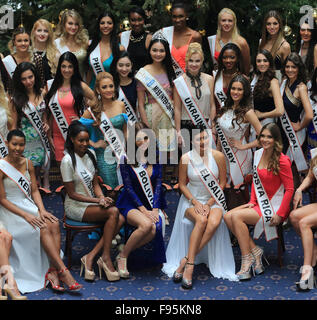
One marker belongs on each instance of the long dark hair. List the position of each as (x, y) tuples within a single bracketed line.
[(114, 41), (73, 130), (75, 82), (298, 62), (20, 96), (313, 89), (167, 62), (236, 49), (261, 89), (244, 104)]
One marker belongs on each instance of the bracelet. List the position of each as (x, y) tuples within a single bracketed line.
[(298, 191), (191, 200)]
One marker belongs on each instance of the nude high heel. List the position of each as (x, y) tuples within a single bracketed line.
[(110, 275), (124, 273), (89, 274), (9, 291)]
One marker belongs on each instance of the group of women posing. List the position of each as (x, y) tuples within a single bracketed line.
[(80, 101)]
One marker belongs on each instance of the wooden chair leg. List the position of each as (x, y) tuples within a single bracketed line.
[(280, 244), (68, 248)]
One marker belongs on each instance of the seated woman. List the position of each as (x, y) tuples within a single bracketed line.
[(85, 200), (6, 275), (35, 232), (207, 240), (273, 175), (140, 209), (303, 220)]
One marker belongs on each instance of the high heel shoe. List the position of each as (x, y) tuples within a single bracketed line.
[(1, 296), (123, 272), (247, 266), (186, 283), (309, 283), (89, 275), (50, 282), (177, 276), (9, 291), (110, 275), (258, 254), (75, 287)]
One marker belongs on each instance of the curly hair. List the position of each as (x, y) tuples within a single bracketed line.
[(274, 162)]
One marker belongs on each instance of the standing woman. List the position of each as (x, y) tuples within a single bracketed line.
[(272, 40), (44, 49), (85, 200), (28, 108), (35, 232), (136, 41), (112, 112), (306, 46), (199, 235), (122, 70), (232, 124), (228, 32), (196, 87), (158, 113), (229, 65), (267, 99), (71, 36), (140, 204), (312, 127), (66, 100), (273, 173), (103, 47), (298, 113)]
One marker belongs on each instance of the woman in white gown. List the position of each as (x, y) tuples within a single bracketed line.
[(22, 213), (199, 233)]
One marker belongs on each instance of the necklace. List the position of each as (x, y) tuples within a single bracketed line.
[(135, 39), (41, 53), (61, 89), (196, 83)]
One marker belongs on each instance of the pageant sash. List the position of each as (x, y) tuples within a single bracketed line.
[(219, 93), (313, 154), (208, 179), (95, 60), (61, 49), (85, 176), (49, 84), (168, 34), (16, 176), (128, 108), (3, 147), (9, 64), (268, 207), (147, 188), (36, 121), (294, 151), (212, 47), (253, 82), (58, 115), (110, 135), (235, 167), (157, 92), (314, 107), (125, 39)]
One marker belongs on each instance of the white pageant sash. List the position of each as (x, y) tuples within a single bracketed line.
[(212, 47), (314, 107), (3, 147), (16, 176), (147, 188), (268, 207), (294, 151), (157, 92), (125, 39), (128, 108), (85, 176), (58, 115), (95, 60), (9, 64), (61, 49), (110, 135), (168, 34), (235, 167), (254, 82), (208, 179), (219, 93), (36, 121)]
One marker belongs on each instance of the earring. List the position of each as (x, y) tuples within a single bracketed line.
[(14, 49), (99, 97)]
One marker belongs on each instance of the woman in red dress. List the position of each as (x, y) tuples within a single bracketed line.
[(274, 172)]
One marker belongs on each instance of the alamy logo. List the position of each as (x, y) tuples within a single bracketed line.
[(308, 17), (6, 21)]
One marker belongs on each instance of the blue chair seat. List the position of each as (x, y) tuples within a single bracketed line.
[(80, 224)]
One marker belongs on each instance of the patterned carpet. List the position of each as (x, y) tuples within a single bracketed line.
[(151, 284)]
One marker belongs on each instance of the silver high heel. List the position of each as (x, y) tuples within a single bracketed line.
[(306, 284), (247, 266), (258, 254), (177, 276), (187, 284)]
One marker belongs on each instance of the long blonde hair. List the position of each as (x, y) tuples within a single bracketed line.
[(235, 32), (52, 53), (279, 39), (4, 103), (81, 37)]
